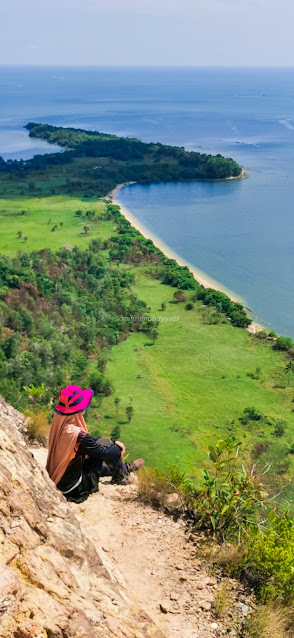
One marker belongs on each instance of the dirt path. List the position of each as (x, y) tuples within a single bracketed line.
[(155, 557)]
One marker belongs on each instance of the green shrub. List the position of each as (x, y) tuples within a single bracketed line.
[(250, 414), (280, 428), (254, 375), (268, 565), (231, 498), (284, 343), (99, 384)]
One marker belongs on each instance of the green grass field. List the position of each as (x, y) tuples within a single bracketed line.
[(191, 387), (41, 214)]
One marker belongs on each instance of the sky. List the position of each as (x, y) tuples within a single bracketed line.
[(147, 32)]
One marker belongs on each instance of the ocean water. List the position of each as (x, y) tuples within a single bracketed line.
[(240, 232)]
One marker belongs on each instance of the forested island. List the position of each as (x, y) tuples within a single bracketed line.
[(93, 163)]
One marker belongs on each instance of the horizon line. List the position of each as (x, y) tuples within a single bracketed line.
[(142, 66)]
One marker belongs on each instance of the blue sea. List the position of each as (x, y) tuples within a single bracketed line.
[(241, 233)]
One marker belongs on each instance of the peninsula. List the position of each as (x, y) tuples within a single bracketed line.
[(93, 163)]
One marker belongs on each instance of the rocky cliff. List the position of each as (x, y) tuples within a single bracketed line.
[(54, 583)]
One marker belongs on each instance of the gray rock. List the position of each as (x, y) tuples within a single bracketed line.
[(244, 608)]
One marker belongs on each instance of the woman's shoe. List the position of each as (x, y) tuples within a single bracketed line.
[(123, 479), (134, 466)]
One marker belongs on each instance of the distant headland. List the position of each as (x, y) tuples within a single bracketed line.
[(94, 163)]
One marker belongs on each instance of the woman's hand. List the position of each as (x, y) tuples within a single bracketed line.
[(123, 449)]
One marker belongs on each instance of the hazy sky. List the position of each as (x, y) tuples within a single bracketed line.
[(147, 32)]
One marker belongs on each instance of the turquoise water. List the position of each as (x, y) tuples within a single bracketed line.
[(239, 233)]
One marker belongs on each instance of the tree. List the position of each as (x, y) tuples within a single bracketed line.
[(25, 239), (116, 402), (100, 384), (19, 234), (179, 296), (34, 393), (284, 343), (101, 364), (163, 306), (289, 367), (61, 224), (11, 345), (153, 335), (86, 229), (280, 428), (129, 412)]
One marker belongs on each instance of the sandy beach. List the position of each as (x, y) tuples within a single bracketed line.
[(201, 277)]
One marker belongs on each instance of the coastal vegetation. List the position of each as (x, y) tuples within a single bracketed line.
[(92, 164)]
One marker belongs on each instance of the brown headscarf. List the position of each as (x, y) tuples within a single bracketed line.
[(63, 435)]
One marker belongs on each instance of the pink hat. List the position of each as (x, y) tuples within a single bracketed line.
[(73, 399)]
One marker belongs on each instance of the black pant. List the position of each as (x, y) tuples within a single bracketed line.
[(92, 470)]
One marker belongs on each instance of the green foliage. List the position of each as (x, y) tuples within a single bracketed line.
[(58, 309), (268, 564), (100, 384), (34, 393), (280, 427), (254, 375), (101, 364), (234, 311), (116, 403), (289, 367), (231, 496), (129, 412), (284, 343), (250, 414)]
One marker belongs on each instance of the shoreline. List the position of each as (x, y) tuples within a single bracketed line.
[(201, 277)]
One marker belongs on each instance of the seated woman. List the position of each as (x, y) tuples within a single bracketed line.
[(76, 460)]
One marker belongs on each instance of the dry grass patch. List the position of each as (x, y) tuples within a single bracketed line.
[(161, 489), (270, 621), (37, 426), (228, 556)]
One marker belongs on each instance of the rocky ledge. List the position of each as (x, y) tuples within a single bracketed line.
[(54, 583)]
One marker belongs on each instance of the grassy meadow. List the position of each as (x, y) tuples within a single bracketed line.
[(191, 386), (40, 215)]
